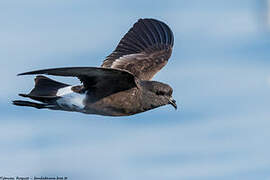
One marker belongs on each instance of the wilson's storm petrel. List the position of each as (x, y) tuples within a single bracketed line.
[(121, 86)]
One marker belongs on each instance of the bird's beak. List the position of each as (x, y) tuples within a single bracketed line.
[(173, 103)]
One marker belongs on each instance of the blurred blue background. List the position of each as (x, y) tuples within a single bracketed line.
[(219, 70)]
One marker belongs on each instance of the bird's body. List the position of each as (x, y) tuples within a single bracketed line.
[(118, 104), (121, 86)]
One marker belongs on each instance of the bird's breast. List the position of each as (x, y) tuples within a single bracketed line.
[(118, 104)]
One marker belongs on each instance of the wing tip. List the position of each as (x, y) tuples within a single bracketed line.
[(25, 73), (20, 74), (158, 29)]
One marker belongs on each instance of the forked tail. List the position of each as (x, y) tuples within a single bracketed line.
[(45, 91)]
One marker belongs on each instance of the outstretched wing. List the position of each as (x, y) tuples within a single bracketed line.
[(104, 81), (144, 50)]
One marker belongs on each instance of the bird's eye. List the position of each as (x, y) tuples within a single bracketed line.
[(160, 93)]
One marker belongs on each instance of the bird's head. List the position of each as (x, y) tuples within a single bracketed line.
[(158, 93)]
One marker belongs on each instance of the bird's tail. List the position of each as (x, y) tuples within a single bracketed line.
[(46, 87), (45, 91)]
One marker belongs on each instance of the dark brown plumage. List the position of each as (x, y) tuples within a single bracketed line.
[(144, 50), (121, 86)]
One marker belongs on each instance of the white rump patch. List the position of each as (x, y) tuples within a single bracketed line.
[(64, 91), (70, 99)]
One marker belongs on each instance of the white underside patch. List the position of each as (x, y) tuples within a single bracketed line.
[(70, 100)]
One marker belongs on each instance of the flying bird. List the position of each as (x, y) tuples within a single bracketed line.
[(122, 86)]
